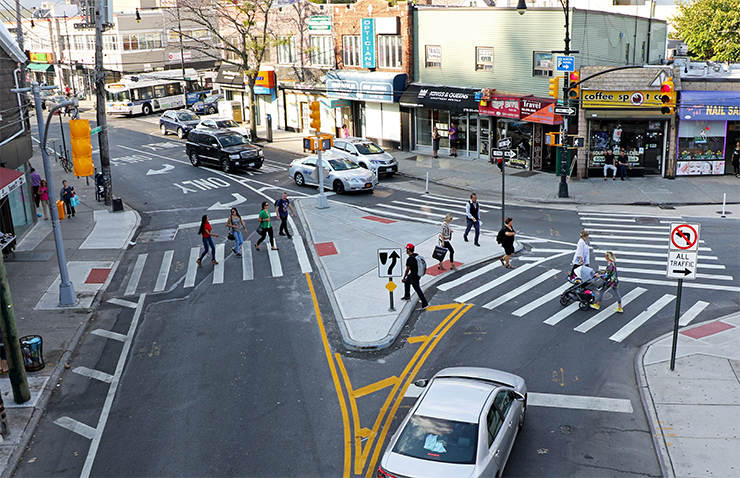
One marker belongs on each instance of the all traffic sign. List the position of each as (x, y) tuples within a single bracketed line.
[(681, 265), (684, 237)]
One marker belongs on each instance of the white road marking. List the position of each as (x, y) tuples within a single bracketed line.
[(657, 263), (625, 230), (468, 276), (639, 238), (579, 402), (133, 281), (96, 374), (541, 300), (635, 323), (689, 284), (192, 268), (123, 303), (164, 271), (691, 314), (247, 269), (424, 206), (663, 272), (494, 283), (277, 269), (646, 246), (218, 269), (522, 289), (77, 427), (405, 209), (624, 214), (456, 205), (300, 249), (554, 319), (109, 335), (590, 225), (605, 313)]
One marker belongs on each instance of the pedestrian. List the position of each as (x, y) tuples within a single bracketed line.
[(44, 198), (207, 235), (624, 163), (507, 242), (609, 164), (580, 258), (35, 182), (66, 195), (610, 282), (452, 133), (282, 205), (345, 131), (472, 212), (411, 277), (233, 223), (445, 236), (435, 141), (736, 159), (265, 227)]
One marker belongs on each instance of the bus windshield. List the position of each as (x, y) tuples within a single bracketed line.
[(121, 95)]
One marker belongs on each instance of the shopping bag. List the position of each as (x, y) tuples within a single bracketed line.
[(439, 253), (74, 201)]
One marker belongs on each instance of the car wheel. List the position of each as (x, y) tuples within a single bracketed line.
[(194, 160), (211, 110), (299, 179), (180, 133), (338, 187), (146, 109), (225, 165), (564, 300), (363, 165), (163, 129)]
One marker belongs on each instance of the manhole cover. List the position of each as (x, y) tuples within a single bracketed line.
[(647, 220), (163, 235)]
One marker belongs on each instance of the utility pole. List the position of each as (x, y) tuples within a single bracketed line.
[(100, 105), (16, 370), (182, 51), (19, 39)]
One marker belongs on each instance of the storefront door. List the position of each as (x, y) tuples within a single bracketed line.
[(484, 137), (653, 156)]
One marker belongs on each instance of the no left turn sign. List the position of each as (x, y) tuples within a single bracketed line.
[(684, 237)]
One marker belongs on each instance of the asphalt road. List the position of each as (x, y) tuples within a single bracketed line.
[(240, 377)]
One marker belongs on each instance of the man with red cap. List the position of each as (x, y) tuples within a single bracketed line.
[(411, 277)]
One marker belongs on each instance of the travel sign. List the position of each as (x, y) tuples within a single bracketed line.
[(621, 99)]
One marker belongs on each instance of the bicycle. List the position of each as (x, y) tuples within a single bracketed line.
[(66, 163)]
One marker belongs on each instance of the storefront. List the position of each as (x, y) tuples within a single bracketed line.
[(16, 204), (629, 121), (230, 82), (367, 102), (41, 68), (708, 129)]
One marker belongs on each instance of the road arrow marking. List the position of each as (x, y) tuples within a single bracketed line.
[(238, 199), (167, 168)]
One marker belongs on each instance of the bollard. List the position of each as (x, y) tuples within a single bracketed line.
[(426, 184), (724, 198)]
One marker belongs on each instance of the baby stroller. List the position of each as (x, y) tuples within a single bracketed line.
[(584, 279)]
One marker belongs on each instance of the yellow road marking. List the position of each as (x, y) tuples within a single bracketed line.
[(355, 414), (374, 387), (419, 338)]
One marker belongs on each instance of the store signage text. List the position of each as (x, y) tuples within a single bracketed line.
[(621, 99), (41, 57), (368, 42)]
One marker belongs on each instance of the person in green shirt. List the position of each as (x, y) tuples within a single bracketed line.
[(265, 227)]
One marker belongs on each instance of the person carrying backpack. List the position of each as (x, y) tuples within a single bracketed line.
[(506, 239), (416, 267)]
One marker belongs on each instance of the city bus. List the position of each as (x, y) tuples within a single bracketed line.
[(132, 96)]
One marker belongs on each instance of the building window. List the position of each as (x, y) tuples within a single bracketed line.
[(90, 40), (79, 41), (110, 42), (389, 51), (642, 53), (286, 50), (322, 51), (627, 54), (351, 50), (142, 41), (188, 35), (484, 58), (433, 56), (64, 43), (542, 63)]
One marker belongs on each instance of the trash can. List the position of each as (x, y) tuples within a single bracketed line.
[(117, 204), (32, 349)]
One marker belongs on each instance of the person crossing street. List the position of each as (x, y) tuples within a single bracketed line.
[(472, 211), (282, 205), (412, 277)]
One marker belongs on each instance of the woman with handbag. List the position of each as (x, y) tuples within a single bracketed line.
[(44, 198), (265, 227), (445, 236), (233, 223), (205, 232), (66, 195)]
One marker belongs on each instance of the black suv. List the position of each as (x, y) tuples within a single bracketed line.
[(227, 149)]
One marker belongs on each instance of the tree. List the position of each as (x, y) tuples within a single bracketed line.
[(711, 28)]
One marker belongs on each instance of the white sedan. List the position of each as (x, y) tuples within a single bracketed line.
[(340, 174), (367, 154), (225, 123)]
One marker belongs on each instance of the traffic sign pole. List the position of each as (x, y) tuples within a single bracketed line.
[(391, 288), (675, 325)]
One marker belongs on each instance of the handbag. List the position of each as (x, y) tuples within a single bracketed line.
[(74, 201), (231, 236), (439, 253)]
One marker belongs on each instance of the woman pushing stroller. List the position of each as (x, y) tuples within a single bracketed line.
[(610, 282)]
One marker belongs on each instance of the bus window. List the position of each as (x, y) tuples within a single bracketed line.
[(142, 93), (173, 89), (159, 91)]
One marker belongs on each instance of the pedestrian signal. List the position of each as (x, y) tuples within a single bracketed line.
[(79, 131), (668, 97), (315, 115), (555, 87), (575, 88)]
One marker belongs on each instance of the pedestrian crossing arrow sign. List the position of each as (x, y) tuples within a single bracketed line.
[(390, 263)]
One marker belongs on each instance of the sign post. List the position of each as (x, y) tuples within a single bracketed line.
[(390, 265), (683, 251)]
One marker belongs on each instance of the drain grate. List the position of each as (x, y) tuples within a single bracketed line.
[(163, 235), (524, 174), (666, 206), (29, 257)]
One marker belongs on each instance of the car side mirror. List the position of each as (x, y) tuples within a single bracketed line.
[(421, 383), (354, 153), (520, 397)]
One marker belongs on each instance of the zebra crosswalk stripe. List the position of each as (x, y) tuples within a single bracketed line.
[(691, 314), (522, 289), (494, 283), (192, 268), (275, 265), (553, 320), (606, 313), (218, 269), (133, 281), (635, 323), (469, 276), (541, 300), (247, 268), (164, 271)]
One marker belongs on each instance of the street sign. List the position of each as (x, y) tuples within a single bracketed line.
[(503, 153), (681, 265), (96, 130), (684, 237), (566, 63), (565, 111), (579, 142), (504, 143), (390, 263)]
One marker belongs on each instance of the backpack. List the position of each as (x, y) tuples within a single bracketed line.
[(501, 235), (421, 266)]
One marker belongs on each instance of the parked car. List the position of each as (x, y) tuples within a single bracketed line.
[(340, 173), (463, 424), (227, 149), (49, 98), (180, 122), (225, 124), (208, 106), (367, 154)]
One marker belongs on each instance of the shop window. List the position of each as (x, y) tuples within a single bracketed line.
[(351, 50), (484, 58), (286, 51), (389, 51), (701, 148), (542, 63), (634, 137), (433, 56), (520, 133)]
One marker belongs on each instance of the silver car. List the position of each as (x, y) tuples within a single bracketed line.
[(463, 424), (341, 174), (367, 154), (224, 123)]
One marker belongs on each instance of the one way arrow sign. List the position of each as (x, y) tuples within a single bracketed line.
[(565, 111)]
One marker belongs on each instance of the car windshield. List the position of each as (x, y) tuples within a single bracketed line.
[(342, 164), (187, 116), (227, 124), (212, 99), (231, 140), (368, 148), (438, 440)]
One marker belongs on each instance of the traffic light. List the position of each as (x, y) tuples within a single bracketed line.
[(668, 97), (315, 115), (555, 87), (79, 130), (575, 89)]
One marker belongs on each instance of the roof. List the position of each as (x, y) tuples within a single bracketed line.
[(458, 399), (10, 45)]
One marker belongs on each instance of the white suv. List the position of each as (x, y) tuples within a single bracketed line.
[(367, 154)]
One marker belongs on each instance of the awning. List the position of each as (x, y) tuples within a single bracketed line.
[(539, 110), (709, 106), (230, 75), (364, 85), (450, 98), (40, 66), (9, 181)]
